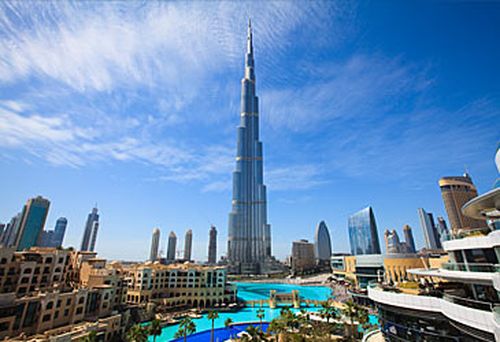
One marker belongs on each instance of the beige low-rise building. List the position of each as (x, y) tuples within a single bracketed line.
[(174, 285)]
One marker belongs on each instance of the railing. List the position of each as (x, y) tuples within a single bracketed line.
[(470, 303), (466, 233), (470, 267)]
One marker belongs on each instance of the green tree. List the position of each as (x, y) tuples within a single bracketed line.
[(212, 315), (228, 323), (350, 311), (255, 334), (186, 327), (277, 327), (155, 329), (137, 334), (260, 316)]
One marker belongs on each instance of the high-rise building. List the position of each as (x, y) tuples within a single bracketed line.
[(442, 227), (10, 235), (172, 241), (53, 238), (188, 244), (363, 235), (303, 258), (393, 242), (431, 235), (32, 222), (59, 231), (155, 245), (89, 226), (457, 191), (93, 235), (249, 238), (409, 238), (212, 245), (322, 243)]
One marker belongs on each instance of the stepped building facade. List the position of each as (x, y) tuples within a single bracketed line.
[(249, 239)]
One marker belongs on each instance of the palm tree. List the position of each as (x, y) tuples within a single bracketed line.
[(277, 327), (155, 328), (137, 334), (255, 334), (228, 323), (212, 315), (186, 327), (328, 312), (260, 316), (350, 310), (91, 337)]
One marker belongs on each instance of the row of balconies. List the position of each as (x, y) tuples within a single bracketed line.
[(471, 267), (480, 315)]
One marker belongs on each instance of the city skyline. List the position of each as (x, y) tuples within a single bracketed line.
[(149, 154)]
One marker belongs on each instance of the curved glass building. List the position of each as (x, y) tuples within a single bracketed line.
[(322, 243), (363, 235)]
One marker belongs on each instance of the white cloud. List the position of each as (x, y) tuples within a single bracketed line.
[(295, 177), (359, 87)]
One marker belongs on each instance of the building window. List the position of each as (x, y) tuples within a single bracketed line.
[(46, 318), (79, 311)]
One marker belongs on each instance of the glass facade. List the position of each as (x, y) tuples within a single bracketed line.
[(89, 226), (33, 221), (249, 238), (322, 243), (363, 235), (431, 234)]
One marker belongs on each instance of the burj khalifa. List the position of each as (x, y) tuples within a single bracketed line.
[(249, 238)]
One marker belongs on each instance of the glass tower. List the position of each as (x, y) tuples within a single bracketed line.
[(322, 243), (363, 235), (431, 235), (89, 228), (212, 245), (32, 222), (249, 238)]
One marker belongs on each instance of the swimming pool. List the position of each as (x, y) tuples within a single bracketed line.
[(248, 291)]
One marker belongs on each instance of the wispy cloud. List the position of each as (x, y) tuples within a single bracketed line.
[(361, 86)]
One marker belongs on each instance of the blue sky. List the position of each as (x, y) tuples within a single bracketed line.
[(134, 106)]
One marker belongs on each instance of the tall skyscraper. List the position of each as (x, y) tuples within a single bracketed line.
[(93, 235), (457, 191), (303, 257), (172, 241), (10, 234), (249, 238), (188, 244), (409, 238), (322, 243), (363, 235), (431, 235), (59, 231), (212, 246), (53, 238), (442, 227), (89, 226), (32, 222), (155, 245)]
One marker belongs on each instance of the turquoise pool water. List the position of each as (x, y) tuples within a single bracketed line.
[(252, 291)]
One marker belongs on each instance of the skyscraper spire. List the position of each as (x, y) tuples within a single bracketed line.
[(249, 240)]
